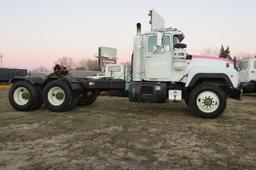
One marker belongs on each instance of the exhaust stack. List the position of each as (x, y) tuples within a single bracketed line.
[(138, 29), (137, 56)]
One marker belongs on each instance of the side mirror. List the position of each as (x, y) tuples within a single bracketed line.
[(180, 45), (159, 39)]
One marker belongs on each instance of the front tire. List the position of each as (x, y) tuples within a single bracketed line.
[(58, 96), (207, 101), (23, 96)]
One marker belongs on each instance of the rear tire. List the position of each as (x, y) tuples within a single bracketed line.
[(58, 96), (207, 101), (23, 96), (186, 100), (40, 100), (88, 98), (39, 103)]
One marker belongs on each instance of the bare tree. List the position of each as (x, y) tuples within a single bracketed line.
[(67, 62), (243, 55), (238, 63), (82, 65), (93, 65), (40, 69), (89, 64), (214, 52)]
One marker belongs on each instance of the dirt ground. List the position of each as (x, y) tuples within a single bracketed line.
[(115, 134)]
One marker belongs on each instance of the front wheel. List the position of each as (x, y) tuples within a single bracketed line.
[(207, 101)]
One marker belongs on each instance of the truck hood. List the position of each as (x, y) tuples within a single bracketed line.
[(198, 57)]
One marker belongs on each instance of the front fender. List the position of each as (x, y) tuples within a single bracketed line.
[(73, 83), (214, 69), (33, 80), (210, 77)]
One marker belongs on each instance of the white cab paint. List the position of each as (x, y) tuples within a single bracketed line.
[(248, 72)]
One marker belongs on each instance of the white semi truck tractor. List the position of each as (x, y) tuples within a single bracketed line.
[(247, 75), (161, 71)]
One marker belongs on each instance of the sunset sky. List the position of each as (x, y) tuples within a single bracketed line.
[(35, 33)]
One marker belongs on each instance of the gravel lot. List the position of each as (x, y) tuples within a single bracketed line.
[(115, 134)]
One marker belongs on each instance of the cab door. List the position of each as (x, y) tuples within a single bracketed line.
[(252, 71), (158, 60)]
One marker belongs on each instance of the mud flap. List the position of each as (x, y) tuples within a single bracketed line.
[(236, 93)]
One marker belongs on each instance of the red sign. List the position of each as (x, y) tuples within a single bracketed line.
[(105, 61)]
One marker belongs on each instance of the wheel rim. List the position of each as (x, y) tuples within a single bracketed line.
[(21, 96), (56, 96), (208, 101)]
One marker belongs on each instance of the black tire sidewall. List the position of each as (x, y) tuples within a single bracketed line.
[(68, 101), (88, 100), (207, 87)]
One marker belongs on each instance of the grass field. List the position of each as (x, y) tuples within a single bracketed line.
[(6, 86), (115, 134)]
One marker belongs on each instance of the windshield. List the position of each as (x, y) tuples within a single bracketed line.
[(245, 65), (114, 69), (176, 40), (152, 44)]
